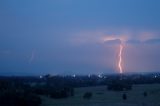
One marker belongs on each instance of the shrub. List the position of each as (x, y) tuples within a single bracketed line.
[(145, 94), (124, 96), (58, 94), (119, 86), (87, 95)]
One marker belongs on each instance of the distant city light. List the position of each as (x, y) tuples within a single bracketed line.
[(74, 75), (100, 76), (40, 76), (155, 76)]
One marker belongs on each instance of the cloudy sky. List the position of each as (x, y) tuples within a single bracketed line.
[(78, 36)]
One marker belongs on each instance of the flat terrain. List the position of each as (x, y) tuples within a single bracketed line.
[(103, 97)]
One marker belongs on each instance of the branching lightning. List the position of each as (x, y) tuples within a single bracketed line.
[(120, 59), (120, 52)]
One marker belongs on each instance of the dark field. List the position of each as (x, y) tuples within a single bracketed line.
[(94, 90), (103, 97)]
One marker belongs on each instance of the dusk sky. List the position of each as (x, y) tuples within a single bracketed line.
[(78, 36)]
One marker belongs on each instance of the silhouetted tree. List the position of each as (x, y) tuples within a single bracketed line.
[(124, 96), (145, 94), (119, 86), (87, 95)]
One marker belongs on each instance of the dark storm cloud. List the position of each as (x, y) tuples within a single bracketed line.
[(112, 42), (153, 41), (77, 36), (133, 42)]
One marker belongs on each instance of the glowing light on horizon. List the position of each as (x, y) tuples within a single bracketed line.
[(120, 58)]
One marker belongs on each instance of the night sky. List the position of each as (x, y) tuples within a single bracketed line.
[(78, 36)]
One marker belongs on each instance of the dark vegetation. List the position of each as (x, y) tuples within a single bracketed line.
[(119, 85), (124, 96), (18, 91), (17, 94), (27, 91), (145, 94), (87, 95)]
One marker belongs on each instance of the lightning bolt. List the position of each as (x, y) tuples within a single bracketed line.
[(32, 56), (120, 59)]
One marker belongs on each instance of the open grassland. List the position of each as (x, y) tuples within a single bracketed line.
[(103, 97)]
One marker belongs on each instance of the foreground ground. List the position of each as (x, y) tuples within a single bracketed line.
[(103, 97)]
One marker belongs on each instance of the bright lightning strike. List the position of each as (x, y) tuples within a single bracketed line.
[(120, 58)]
